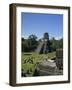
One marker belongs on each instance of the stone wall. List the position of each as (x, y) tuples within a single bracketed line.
[(59, 58)]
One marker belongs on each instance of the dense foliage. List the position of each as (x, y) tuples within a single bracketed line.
[(29, 44)]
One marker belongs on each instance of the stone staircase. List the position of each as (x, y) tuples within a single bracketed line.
[(39, 47)]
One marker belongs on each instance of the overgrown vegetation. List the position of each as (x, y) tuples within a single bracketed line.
[(29, 61)]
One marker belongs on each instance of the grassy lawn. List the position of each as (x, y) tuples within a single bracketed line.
[(29, 61)]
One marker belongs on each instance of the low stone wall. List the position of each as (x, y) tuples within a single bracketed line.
[(59, 58), (59, 53), (46, 68), (51, 67)]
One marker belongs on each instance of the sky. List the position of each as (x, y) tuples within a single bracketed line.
[(38, 24)]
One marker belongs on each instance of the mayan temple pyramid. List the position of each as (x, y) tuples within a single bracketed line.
[(44, 45)]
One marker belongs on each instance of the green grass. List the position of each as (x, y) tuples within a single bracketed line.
[(29, 61)]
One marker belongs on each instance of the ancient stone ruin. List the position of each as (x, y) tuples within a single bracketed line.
[(59, 58), (51, 67), (44, 45), (46, 68)]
